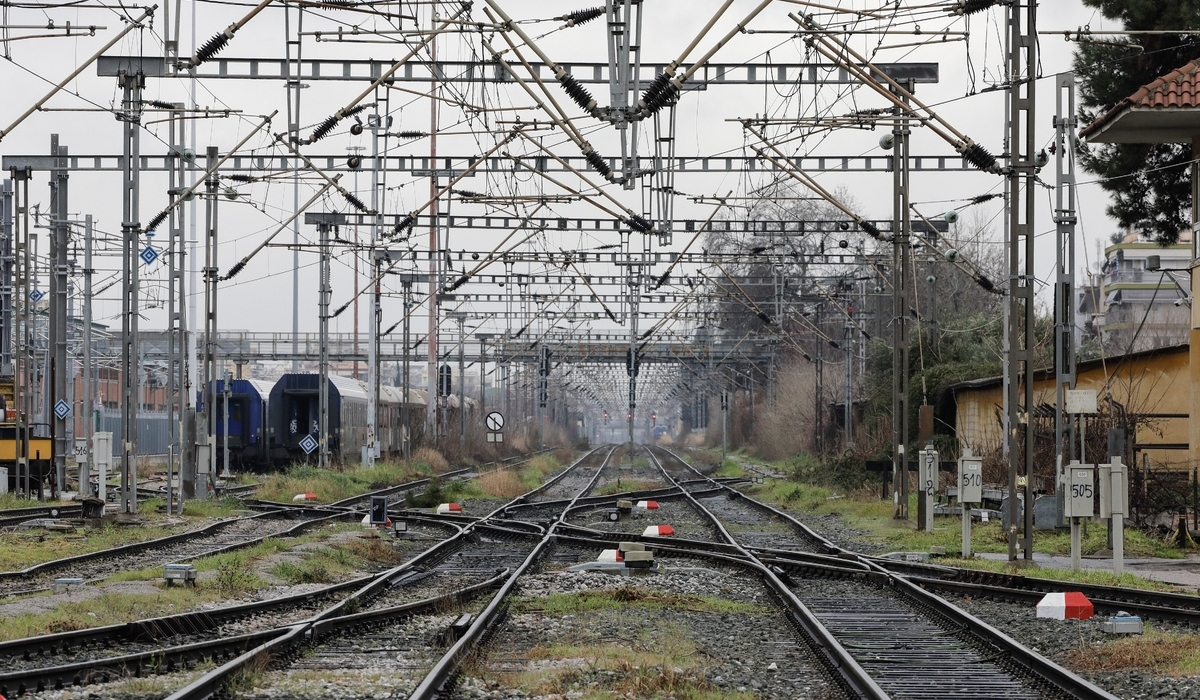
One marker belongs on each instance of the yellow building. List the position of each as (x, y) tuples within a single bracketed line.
[(1149, 391)]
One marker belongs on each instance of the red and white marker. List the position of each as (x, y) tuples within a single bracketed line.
[(610, 555), (449, 509), (659, 531), (1065, 606), (304, 497), (648, 505)]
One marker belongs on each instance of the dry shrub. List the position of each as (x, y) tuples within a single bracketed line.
[(375, 549), (1158, 653), (433, 458), (564, 455), (501, 483), (785, 428)]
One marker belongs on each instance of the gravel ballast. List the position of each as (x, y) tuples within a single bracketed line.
[(648, 648), (1056, 639)]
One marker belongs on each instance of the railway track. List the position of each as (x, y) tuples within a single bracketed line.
[(16, 516), (223, 536), (363, 635), (876, 632), (1153, 605), (179, 642), (888, 637)]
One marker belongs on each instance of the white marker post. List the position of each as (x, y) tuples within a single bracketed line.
[(102, 455), (1114, 498), (970, 490)]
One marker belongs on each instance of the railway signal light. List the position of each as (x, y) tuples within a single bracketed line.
[(379, 510)]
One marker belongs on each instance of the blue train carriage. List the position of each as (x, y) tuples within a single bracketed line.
[(248, 417), (294, 410)]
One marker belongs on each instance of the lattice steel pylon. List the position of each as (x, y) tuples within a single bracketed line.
[(1020, 187)]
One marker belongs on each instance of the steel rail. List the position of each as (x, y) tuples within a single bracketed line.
[(112, 552), (213, 682), (16, 516), (845, 668), (103, 670), (1149, 605), (58, 676), (157, 628), (1032, 662), (288, 638), (445, 670)]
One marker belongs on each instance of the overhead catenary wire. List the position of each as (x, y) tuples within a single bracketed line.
[(840, 53)]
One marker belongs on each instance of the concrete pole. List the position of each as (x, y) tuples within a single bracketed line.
[(901, 279)]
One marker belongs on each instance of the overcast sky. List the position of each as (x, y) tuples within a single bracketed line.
[(260, 298)]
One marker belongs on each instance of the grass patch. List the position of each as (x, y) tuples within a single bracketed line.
[(627, 597), (115, 608), (339, 482), (333, 563), (676, 669), (444, 492), (1160, 653), (536, 470), (501, 483), (729, 468), (20, 550), (245, 556), (217, 508), (864, 510), (1089, 576), (10, 501), (249, 676)]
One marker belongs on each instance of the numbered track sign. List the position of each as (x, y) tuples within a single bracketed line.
[(1079, 499), (970, 479), (928, 471)]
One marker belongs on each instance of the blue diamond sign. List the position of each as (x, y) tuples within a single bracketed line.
[(36, 295), (308, 444), (62, 409), (148, 255)]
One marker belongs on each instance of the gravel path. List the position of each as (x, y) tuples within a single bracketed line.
[(670, 648)]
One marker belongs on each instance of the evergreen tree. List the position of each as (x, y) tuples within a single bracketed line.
[(1149, 183)]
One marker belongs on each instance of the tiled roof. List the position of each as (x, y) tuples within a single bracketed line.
[(1178, 89)]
